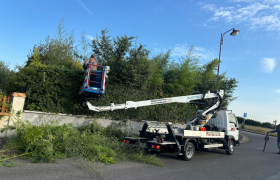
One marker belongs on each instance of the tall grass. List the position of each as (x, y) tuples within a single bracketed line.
[(258, 129)]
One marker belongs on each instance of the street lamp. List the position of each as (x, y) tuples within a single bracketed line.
[(233, 33)]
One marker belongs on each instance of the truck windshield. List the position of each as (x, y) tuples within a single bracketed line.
[(231, 118)]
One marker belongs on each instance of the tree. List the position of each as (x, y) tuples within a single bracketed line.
[(4, 74), (208, 81), (59, 51), (207, 77), (129, 63), (268, 125), (84, 53), (158, 67), (102, 47), (182, 78), (228, 85)]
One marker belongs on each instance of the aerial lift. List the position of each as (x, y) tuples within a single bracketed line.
[(220, 131)]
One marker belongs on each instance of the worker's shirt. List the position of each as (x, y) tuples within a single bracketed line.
[(278, 133), (91, 61)]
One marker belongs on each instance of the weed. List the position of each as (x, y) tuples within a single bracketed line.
[(6, 163)]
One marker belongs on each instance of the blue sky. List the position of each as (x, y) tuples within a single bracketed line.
[(252, 57)]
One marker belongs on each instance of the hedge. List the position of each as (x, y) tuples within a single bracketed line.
[(55, 89)]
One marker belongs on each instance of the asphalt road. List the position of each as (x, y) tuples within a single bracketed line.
[(248, 162)]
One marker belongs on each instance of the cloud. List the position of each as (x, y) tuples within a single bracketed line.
[(237, 14), (255, 14), (271, 23), (277, 7), (90, 37), (268, 65), (84, 6), (200, 3), (159, 9), (205, 54), (272, 1), (209, 7), (147, 22), (277, 91), (202, 53), (241, 0), (180, 50)]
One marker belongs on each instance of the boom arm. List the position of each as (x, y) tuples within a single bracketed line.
[(180, 99)]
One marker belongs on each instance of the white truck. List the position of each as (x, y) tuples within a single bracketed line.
[(220, 131)]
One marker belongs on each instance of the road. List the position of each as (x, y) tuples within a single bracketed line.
[(248, 162)]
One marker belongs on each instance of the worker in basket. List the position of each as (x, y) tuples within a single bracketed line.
[(92, 61), (93, 87)]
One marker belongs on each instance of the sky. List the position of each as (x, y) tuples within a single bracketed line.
[(252, 57)]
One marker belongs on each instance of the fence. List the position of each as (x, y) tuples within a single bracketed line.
[(5, 105)]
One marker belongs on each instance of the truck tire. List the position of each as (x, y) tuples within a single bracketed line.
[(230, 150), (189, 151)]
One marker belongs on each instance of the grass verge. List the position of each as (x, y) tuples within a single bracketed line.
[(259, 129)]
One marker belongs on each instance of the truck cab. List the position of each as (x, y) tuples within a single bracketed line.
[(225, 121)]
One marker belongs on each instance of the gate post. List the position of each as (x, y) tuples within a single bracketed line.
[(17, 106)]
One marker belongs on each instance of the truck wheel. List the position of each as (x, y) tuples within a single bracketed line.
[(189, 151), (230, 150)]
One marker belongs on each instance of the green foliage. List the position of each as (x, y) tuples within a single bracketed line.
[(129, 63), (158, 67), (51, 88), (255, 123), (49, 141), (208, 77), (6, 163), (35, 59), (15, 83), (182, 78), (4, 74), (228, 85), (268, 125), (249, 121), (84, 53), (208, 81), (59, 51)]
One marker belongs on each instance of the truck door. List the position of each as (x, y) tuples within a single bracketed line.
[(233, 126)]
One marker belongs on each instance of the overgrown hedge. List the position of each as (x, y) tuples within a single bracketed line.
[(55, 89), (51, 88)]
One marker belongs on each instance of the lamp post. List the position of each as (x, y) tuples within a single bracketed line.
[(233, 33)]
